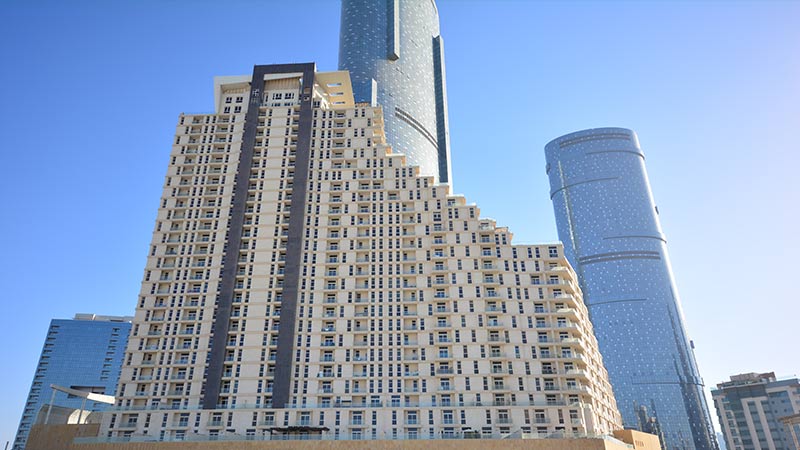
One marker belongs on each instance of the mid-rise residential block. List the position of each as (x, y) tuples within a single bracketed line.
[(759, 412)]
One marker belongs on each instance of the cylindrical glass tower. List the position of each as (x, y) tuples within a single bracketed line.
[(609, 224), (395, 56)]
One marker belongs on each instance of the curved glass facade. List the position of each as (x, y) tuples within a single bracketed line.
[(609, 224), (395, 56)]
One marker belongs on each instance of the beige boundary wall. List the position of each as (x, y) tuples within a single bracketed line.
[(60, 437), (639, 440)]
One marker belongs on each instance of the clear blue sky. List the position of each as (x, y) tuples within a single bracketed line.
[(92, 91)]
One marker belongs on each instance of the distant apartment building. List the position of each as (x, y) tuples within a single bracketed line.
[(303, 278), (84, 353), (759, 412), (792, 424)]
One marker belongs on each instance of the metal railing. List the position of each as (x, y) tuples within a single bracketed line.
[(329, 436)]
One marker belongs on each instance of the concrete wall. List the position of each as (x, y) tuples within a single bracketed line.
[(52, 437)]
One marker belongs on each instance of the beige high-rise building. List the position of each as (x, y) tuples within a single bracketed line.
[(304, 279)]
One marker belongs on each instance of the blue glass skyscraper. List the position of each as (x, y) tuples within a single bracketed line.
[(85, 354), (609, 224), (395, 56)]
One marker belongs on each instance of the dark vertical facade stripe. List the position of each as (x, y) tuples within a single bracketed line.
[(442, 125), (236, 220), (231, 255), (282, 381)]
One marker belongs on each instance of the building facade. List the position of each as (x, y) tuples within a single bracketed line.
[(304, 277), (759, 412), (395, 55), (84, 353), (609, 224)]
